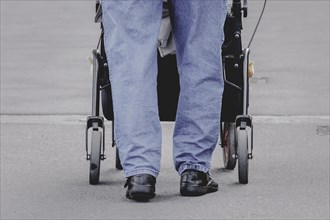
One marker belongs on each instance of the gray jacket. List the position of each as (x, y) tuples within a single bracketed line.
[(165, 42)]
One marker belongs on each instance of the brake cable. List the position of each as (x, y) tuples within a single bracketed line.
[(255, 30)]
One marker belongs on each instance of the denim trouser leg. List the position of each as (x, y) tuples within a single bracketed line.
[(198, 33), (131, 29)]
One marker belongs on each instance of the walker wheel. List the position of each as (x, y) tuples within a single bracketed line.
[(94, 172), (229, 153), (242, 153)]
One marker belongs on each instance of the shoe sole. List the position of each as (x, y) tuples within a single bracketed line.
[(196, 190), (141, 193)]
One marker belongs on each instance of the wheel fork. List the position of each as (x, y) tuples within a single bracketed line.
[(95, 122), (242, 122)]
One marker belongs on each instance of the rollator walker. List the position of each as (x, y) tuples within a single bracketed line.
[(236, 136)]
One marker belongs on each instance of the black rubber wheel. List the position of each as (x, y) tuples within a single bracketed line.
[(118, 163), (229, 159), (94, 171), (242, 153)]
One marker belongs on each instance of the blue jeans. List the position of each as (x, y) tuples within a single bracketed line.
[(131, 29)]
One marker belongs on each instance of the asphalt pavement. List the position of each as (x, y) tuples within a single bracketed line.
[(46, 97)]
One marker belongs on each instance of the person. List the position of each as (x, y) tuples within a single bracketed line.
[(131, 28)]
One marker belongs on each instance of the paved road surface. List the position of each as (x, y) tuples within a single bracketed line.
[(45, 98), (44, 175)]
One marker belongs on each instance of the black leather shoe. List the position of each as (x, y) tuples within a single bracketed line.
[(141, 187), (196, 183)]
